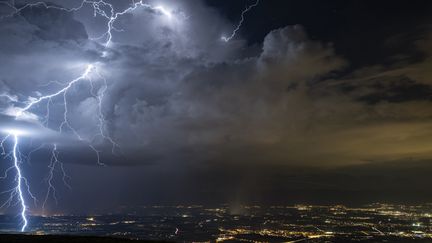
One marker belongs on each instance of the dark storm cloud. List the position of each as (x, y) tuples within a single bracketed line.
[(224, 105), (54, 25), (173, 85)]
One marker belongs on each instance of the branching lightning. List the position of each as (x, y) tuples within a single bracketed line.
[(21, 185), (100, 8), (19, 182), (242, 19), (21, 188), (9, 97), (65, 124), (54, 164), (112, 16)]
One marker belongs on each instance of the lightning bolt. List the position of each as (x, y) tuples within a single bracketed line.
[(54, 163), (107, 11), (62, 91), (9, 97), (17, 192), (65, 124), (112, 16), (100, 8), (2, 145), (242, 19), (21, 182)]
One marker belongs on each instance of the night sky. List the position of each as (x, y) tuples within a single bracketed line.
[(312, 101)]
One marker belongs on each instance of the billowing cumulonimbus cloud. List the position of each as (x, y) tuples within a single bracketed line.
[(175, 88)]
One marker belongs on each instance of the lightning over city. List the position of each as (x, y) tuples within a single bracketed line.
[(111, 16), (215, 121)]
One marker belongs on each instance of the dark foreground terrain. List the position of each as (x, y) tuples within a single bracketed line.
[(13, 238)]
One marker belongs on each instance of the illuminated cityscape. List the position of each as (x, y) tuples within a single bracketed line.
[(378, 222)]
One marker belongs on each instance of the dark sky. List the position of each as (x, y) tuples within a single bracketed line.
[(312, 101)]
